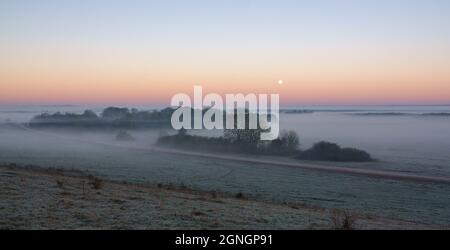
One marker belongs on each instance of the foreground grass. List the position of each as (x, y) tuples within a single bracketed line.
[(39, 198)]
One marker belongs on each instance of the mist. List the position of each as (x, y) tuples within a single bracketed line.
[(406, 144)]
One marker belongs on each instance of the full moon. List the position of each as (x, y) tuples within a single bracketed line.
[(280, 82)]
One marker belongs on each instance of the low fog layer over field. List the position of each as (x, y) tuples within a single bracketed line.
[(422, 149)]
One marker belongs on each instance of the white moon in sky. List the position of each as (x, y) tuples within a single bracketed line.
[(280, 82)]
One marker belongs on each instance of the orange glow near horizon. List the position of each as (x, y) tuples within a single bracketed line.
[(119, 83), (144, 52), (99, 76), (291, 93)]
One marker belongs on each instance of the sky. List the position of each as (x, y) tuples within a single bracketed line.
[(344, 52)]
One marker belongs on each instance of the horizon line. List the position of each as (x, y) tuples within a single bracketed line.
[(168, 105)]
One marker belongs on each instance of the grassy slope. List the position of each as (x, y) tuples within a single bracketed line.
[(37, 198)]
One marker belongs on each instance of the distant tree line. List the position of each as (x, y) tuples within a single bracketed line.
[(112, 117)]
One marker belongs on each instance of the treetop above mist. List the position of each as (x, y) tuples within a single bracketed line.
[(109, 117)]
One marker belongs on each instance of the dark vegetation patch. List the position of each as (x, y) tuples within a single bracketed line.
[(326, 151), (112, 117), (342, 220), (247, 142), (95, 182), (123, 135)]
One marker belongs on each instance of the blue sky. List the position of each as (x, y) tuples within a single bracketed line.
[(202, 23)]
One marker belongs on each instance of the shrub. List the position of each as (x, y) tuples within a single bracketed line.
[(95, 182), (239, 195), (124, 136), (342, 220), (326, 151)]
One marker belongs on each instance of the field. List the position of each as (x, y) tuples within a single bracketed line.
[(38, 198), (423, 203)]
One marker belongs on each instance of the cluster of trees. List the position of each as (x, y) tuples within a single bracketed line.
[(182, 140), (247, 141), (287, 144), (326, 151), (110, 117), (234, 141)]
